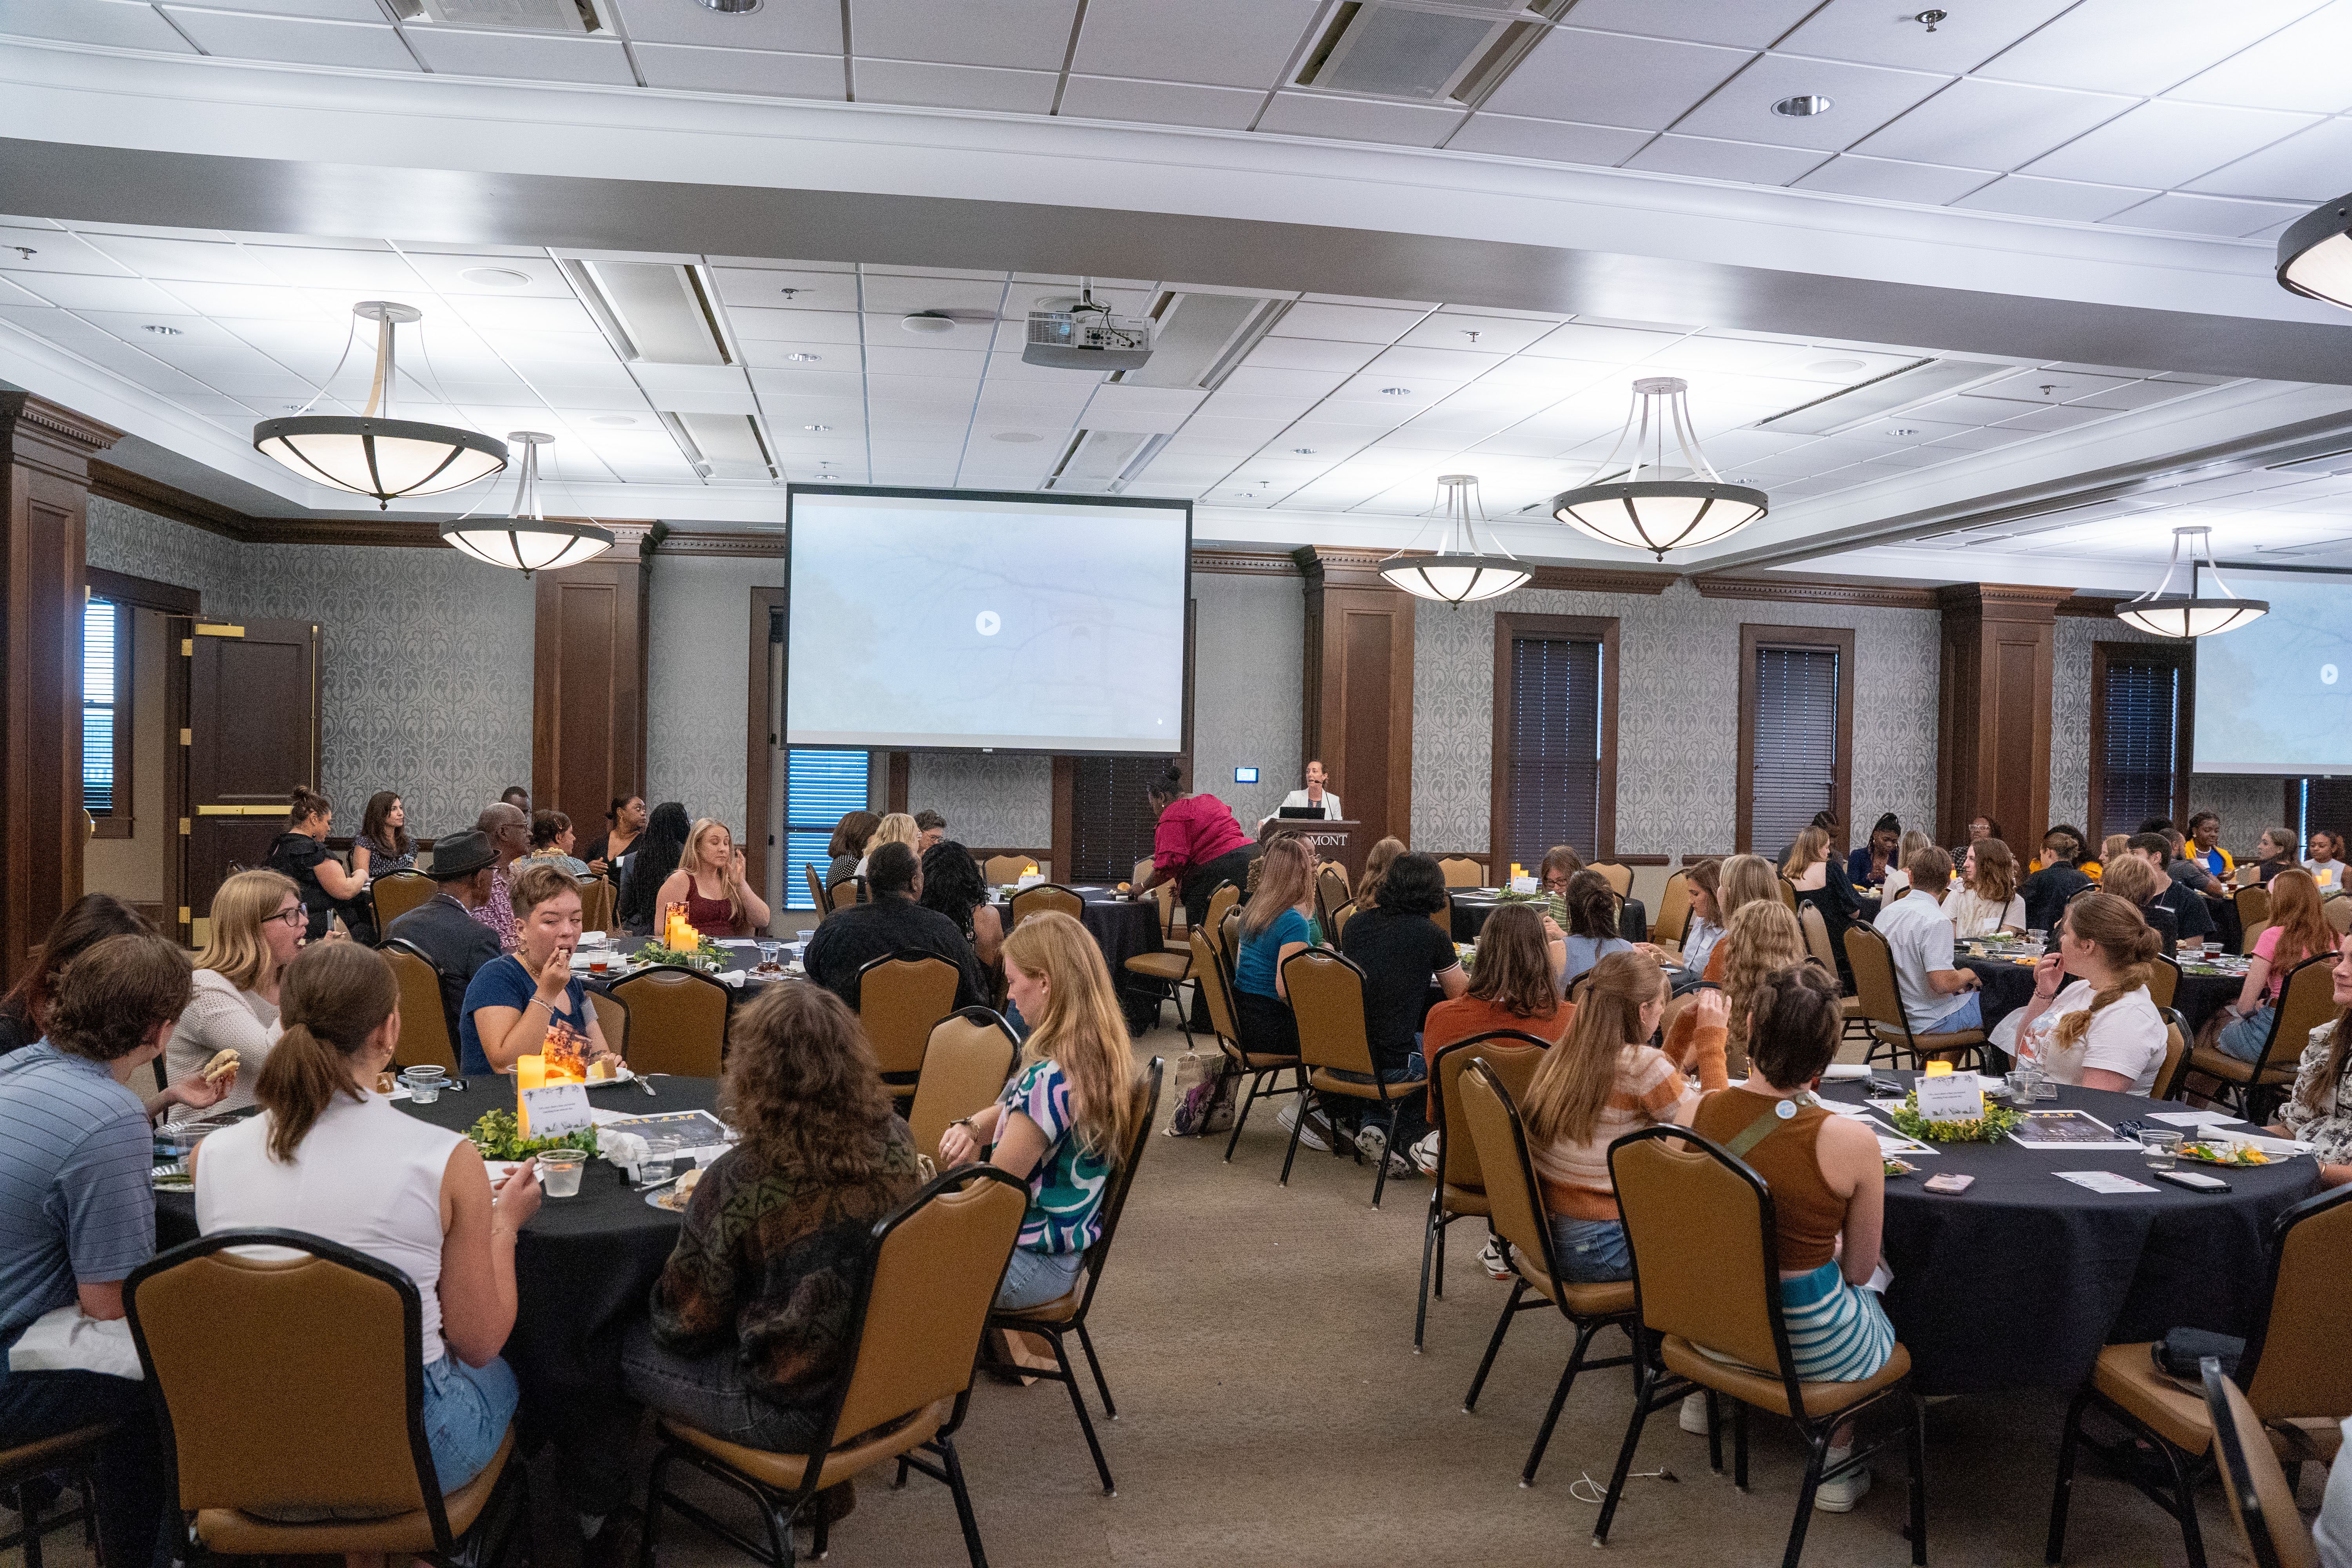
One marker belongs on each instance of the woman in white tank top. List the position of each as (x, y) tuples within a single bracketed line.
[(333, 1158)]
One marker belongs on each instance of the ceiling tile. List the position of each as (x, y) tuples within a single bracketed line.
[(759, 71), (446, 271), (1892, 180), (80, 291), (954, 87), (1724, 160), (336, 269), (1258, 380), (2166, 142), (1610, 79), (295, 40), (1160, 102), (1871, 33), (888, 294), (536, 58), (2140, 45), (331, 10), (2138, 395), (962, 366), (2313, 166), (1454, 362), (1991, 124), (2027, 197), (793, 326), (1226, 43), (1358, 120), (2206, 215), (1312, 353), (1346, 323), (193, 259), (1864, 98), (785, 289), (52, 250), (1744, 24), (2061, 418), (1605, 345), (1556, 140), (2299, 67), (1030, 34), (117, 24), (1479, 335), (801, 28)]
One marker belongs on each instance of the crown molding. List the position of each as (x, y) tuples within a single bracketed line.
[(56, 423), (1801, 591), (1245, 563), (2088, 606), (708, 541)]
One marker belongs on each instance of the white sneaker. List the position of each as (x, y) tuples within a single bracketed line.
[(1371, 1141), (1492, 1259), (1424, 1155), (1692, 1418), (1312, 1134), (1840, 1495)]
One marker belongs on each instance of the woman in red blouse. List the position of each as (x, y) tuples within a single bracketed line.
[(1197, 846)]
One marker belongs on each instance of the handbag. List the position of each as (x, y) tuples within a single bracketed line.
[(2177, 1353), (1206, 1092)]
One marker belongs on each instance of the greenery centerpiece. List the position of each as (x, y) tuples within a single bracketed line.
[(705, 956), (1551, 904), (499, 1137), (1997, 1122)]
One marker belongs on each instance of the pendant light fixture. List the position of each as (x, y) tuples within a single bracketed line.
[(1659, 514), (526, 540), (2314, 255), (1459, 571), (2169, 614), (375, 454)]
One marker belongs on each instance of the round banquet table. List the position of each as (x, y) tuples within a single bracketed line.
[(2009, 987), (1121, 927), (1472, 906), (2016, 1282)]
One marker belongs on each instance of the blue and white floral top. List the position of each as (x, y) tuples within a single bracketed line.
[(1065, 1190)]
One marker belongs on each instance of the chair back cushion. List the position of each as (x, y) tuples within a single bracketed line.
[(1485, 1117), (1210, 975), (424, 1011), (848, 891), (613, 1018), (1331, 892), (1443, 918), (1619, 878), (2338, 910), (1817, 936), (2163, 983), (1873, 976), (1339, 919), (1221, 899), (1673, 921), (1698, 1222), (1038, 900), (398, 893), (2253, 909), (1789, 895), (595, 904), (2176, 1052), (1510, 1060), (678, 1021), (2300, 1367), (2261, 1496), (899, 997), (964, 1067), (2308, 1002), (1461, 871), (1327, 995), (822, 905), (1001, 871)]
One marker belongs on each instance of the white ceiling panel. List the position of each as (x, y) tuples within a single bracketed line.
[(806, 355), (117, 24), (798, 28), (196, 260), (2167, 142), (1554, 141), (1871, 33), (2060, 418), (1032, 34), (889, 293), (320, 267), (1312, 353), (1744, 24), (2030, 197), (1358, 120), (2298, 66), (1265, 381), (1346, 323), (1606, 345), (2182, 214), (2140, 45), (1456, 363), (954, 87), (537, 59), (2312, 166), (1610, 79), (80, 291), (1893, 180), (1226, 43), (657, 379), (54, 251), (1863, 99), (961, 366), (1716, 159), (835, 327), (1479, 335), (445, 273), (295, 40), (789, 290), (763, 71), (1991, 124), (1160, 102)]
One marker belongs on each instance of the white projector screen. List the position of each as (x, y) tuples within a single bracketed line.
[(2275, 696), (933, 621)]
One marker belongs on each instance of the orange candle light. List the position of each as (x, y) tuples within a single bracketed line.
[(530, 1072)]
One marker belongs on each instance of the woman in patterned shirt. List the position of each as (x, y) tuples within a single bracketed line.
[(1067, 1117), (2320, 1110)]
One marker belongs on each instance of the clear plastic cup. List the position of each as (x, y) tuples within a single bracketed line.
[(559, 1171), (660, 1161), (2162, 1149), (424, 1083)]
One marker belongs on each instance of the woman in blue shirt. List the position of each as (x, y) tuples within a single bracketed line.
[(514, 999), (1274, 926)]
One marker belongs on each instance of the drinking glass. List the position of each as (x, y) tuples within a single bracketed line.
[(559, 1171), (2162, 1149), (2037, 938), (768, 951), (660, 1161), (424, 1083)]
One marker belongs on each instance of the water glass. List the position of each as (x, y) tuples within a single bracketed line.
[(768, 951), (2037, 938), (2162, 1149), (424, 1083), (559, 1171), (660, 1161)]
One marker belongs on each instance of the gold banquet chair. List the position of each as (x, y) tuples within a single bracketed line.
[(1880, 992), (1225, 1020), (1327, 995), (2306, 1002), (1042, 897), (69, 1454), (1459, 1191), (428, 1038), (900, 995), (678, 1021), (1462, 871), (2261, 1495), (399, 892), (965, 1063), (596, 897)]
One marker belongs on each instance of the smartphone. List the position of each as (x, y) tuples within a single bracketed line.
[(2195, 1181), (1948, 1182)]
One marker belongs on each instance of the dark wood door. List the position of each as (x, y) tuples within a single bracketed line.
[(253, 735)]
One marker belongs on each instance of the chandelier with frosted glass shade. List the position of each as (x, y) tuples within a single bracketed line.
[(1658, 513), (2190, 614), (2314, 255), (526, 540), (1460, 571), (376, 454)]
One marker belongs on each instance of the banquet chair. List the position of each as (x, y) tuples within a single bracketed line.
[(1672, 922), (899, 996), (1142, 869), (1067, 1313), (1462, 871), (1619, 878), (678, 1021), (2172, 1073), (2337, 907), (1442, 917), (1223, 899), (428, 1038), (2163, 982), (1327, 995), (1217, 997), (1045, 896), (1341, 916), (1817, 942), (2297, 1380), (2260, 1493), (596, 897), (1706, 1271), (1174, 936), (1331, 892), (965, 1063), (1164, 969), (69, 1456), (848, 891), (1459, 1191), (1229, 940), (931, 1270), (398, 893), (342, 1427), (817, 900), (1003, 870), (2253, 1088), (2253, 911), (1789, 895), (612, 1016), (1491, 1119), (1880, 991)]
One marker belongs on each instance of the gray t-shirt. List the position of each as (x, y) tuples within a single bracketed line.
[(75, 1203)]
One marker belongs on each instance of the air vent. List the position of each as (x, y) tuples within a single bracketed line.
[(657, 313), (574, 16), (722, 445), (1914, 383), (1202, 337), (1103, 459), (1423, 54)]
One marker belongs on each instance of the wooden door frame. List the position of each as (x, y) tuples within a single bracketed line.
[(758, 740), (181, 608), (1509, 627), (1753, 639), (2182, 658)]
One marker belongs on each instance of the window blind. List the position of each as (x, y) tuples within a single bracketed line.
[(2137, 752), (1110, 821), (2326, 804), (1554, 748), (1794, 770), (820, 787), (100, 711)]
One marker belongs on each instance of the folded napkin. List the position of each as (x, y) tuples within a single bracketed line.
[(64, 1339), (734, 977), (624, 1149)]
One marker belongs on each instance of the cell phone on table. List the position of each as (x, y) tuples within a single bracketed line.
[(1947, 1182), (2195, 1181)]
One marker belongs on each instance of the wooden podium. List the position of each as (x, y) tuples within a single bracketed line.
[(1334, 838)]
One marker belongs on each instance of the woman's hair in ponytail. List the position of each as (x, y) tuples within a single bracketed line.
[(331, 999), (1794, 1020), (2124, 940)]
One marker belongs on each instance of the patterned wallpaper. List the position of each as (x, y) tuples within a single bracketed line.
[(428, 655), (1249, 640), (1678, 713), (698, 681), (1001, 801)]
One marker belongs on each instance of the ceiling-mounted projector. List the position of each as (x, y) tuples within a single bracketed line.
[(1087, 337)]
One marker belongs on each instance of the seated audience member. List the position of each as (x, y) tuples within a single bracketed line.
[(444, 928), (1986, 901), (1593, 925), (383, 845), (1196, 845), (1938, 996), (1899, 876), (2101, 1031), (2056, 878), (898, 828), (2326, 863), (552, 842), (2205, 852), (1764, 939), (88, 920), (2274, 853), (1276, 922), (848, 846), (517, 797), (1746, 880), (1602, 1082), (853, 936), (508, 832), (331, 1157), (930, 828), (749, 1334), (1828, 1182), (1560, 863), (709, 881), (256, 929), (2298, 931), (78, 1215), (2319, 1110), (1827, 823), (1815, 871), (2113, 845), (1067, 1117), (1706, 916), (2063, 843), (1376, 866), (2140, 885), (1401, 954), (1514, 987), (624, 821), (1868, 865), (1978, 828), (2191, 911), (952, 884), (516, 999), (300, 854), (647, 869)]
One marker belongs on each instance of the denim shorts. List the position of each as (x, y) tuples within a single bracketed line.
[(466, 1409), (1033, 1279), (2244, 1038), (1590, 1251)]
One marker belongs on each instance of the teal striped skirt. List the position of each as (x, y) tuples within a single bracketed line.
[(1837, 1332)]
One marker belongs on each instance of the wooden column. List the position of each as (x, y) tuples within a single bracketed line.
[(1358, 689), (588, 684), (1993, 721), (46, 451)]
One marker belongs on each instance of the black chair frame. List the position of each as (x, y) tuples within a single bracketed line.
[(2254, 1099), (1260, 1077), (22, 1490), (1394, 1102), (1433, 1238), (2230, 1457)]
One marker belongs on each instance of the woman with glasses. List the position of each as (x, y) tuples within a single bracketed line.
[(258, 922)]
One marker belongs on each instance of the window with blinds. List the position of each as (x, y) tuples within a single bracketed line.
[(820, 787), (1793, 773), (2321, 806), (1554, 744), (105, 705), (1110, 821), (2139, 742)]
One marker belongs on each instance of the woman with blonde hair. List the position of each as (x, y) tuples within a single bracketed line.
[(1986, 901), (2138, 884), (1065, 1121), (709, 881), (1602, 1082), (1277, 922), (1899, 876), (258, 922), (1744, 880), (2298, 931), (2102, 1031), (1764, 938), (898, 828), (1376, 866)]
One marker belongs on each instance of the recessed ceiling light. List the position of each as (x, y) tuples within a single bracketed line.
[(1903, 430), (164, 332), (928, 321), (1837, 366), (819, 428), (731, 7), (611, 420), (1803, 105), (1016, 435), (495, 276), (804, 359), (1396, 391), (1304, 451)]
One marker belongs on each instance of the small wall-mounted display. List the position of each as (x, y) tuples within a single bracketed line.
[(1244, 775)]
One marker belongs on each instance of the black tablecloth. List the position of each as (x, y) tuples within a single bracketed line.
[(1470, 912), (2009, 987), (1123, 928), (2016, 1282)]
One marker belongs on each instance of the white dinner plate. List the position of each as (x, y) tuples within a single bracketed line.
[(1845, 1072)]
